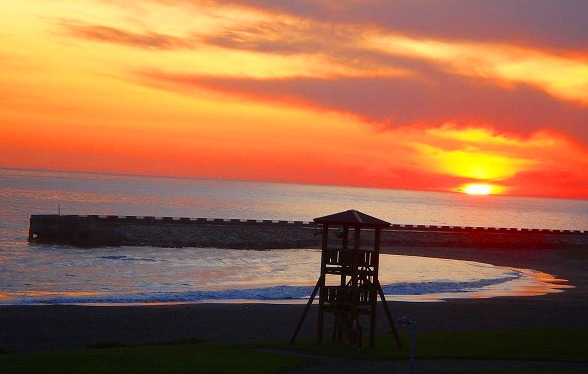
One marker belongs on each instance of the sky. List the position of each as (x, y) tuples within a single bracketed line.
[(419, 95)]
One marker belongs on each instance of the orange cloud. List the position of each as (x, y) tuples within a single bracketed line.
[(319, 92)]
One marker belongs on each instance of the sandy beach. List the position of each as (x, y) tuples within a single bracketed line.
[(51, 328)]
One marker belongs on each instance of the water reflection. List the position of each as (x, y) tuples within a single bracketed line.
[(140, 274)]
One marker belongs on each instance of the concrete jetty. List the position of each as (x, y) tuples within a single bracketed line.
[(95, 231)]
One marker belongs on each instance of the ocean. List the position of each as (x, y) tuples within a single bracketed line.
[(47, 274)]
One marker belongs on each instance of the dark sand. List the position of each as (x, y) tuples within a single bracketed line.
[(50, 328)]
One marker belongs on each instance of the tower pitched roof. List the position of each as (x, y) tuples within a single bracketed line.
[(352, 217)]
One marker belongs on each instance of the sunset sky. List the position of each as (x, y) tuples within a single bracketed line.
[(420, 95)]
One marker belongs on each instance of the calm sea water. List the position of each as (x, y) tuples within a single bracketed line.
[(33, 274)]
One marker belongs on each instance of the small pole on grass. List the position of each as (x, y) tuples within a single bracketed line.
[(407, 322)]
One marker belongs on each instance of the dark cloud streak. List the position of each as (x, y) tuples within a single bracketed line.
[(284, 38), (538, 23), (149, 40), (397, 101)]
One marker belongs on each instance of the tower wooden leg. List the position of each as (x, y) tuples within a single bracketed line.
[(389, 315), (321, 321), (308, 305), (374, 308)]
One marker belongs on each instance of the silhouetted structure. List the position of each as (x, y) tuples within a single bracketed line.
[(100, 230), (348, 282)]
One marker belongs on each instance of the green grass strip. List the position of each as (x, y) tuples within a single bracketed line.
[(566, 344), (536, 344), (176, 358)]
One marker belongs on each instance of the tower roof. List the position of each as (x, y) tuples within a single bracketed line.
[(352, 217)]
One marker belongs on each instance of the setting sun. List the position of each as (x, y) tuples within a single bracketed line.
[(478, 189)]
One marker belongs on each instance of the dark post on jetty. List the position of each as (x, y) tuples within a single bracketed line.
[(348, 282)]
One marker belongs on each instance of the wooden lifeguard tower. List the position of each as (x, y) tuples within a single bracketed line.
[(348, 282)]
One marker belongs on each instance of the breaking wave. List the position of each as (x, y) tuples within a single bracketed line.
[(274, 293)]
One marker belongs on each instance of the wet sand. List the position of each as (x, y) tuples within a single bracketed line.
[(50, 328)]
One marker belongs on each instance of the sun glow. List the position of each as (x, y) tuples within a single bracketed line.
[(478, 189)]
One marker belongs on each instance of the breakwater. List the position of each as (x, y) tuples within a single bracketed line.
[(94, 230)]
